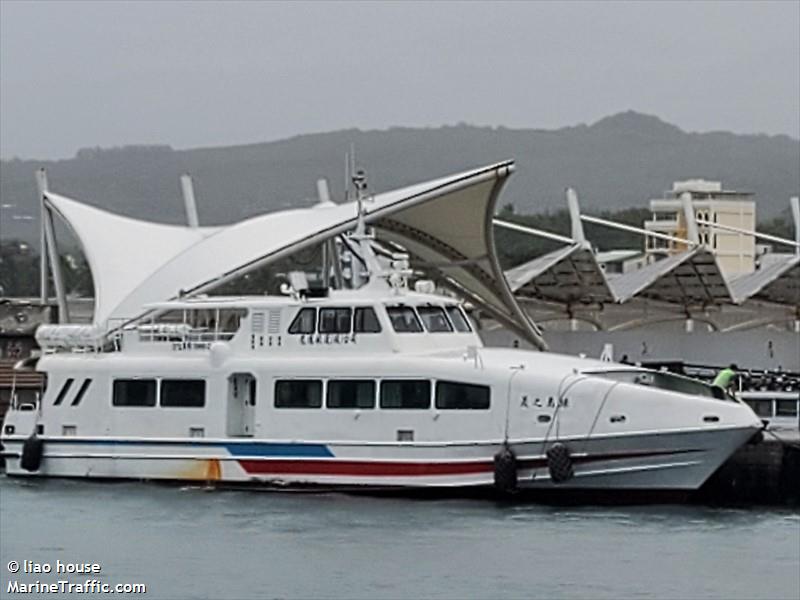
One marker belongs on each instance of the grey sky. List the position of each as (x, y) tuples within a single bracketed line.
[(200, 74)]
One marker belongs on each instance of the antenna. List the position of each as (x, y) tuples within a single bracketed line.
[(189, 202), (328, 252), (575, 217), (795, 203)]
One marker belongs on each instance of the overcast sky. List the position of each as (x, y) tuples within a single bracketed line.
[(192, 74)]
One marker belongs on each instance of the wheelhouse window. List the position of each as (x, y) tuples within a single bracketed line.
[(183, 393), (457, 318), (451, 395), (351, 393), (406, 393), (298, 393), (434, 319), (305, 321), (334, 320), (404, 319), (366, 321), (134, 392)]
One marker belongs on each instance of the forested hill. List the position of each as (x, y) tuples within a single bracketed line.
[(618, 162)]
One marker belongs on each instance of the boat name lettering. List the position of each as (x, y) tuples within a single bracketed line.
[(328, 339), (549, 402)]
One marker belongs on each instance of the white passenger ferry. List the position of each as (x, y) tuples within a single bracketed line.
[(375, 388)]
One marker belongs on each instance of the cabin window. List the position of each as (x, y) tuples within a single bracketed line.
[(134, 392), (334, 320), (458, 319), (366, 321), (405, 393), (404, 319), (305, 321), (462, 396), (81, 391), (298, 393), (351, 393), (434, 318), (63, 391), (230, 319), (183, 393)]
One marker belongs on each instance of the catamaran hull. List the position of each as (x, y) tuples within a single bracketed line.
[(679, 461)]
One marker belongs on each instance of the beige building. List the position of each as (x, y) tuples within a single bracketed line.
[(735, 252)]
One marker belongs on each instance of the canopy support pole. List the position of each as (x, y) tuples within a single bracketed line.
[(189, 202), (55, 264), (41, 186)]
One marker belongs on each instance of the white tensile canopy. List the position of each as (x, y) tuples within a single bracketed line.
[(445, 223), (690, 278), (777, 282), (121, 251)]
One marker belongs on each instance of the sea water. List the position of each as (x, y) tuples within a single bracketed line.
[(192, 542)]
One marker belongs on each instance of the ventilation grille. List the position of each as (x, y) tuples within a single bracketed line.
[(274, 320), (258, 322)]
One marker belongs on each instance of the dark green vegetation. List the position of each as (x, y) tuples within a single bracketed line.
[(19, 271), (618, 162), (621, 161)]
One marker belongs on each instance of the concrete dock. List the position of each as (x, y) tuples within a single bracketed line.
[(766, 473)]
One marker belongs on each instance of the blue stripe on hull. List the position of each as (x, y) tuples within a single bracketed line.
[(235, 448)]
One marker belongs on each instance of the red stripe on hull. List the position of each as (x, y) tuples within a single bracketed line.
[(362, 469), (354, 468)]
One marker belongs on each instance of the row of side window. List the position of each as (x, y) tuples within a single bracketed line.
[(394, 394), (308, 393), (335, 320), (408, 319), (404, 319), (175, 393)]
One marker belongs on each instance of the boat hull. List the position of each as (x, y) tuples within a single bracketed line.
[(679, 461)]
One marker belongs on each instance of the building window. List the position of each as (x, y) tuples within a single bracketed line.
[(351, 393), (366, 321), (404, 319), (334, 320), (406, 393), (462, 396), (434, 319), (458, 319), (305, 321), (298, 393), (183, 393), (134, 392)]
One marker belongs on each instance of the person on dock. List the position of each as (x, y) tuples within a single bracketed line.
[(726, 378)]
